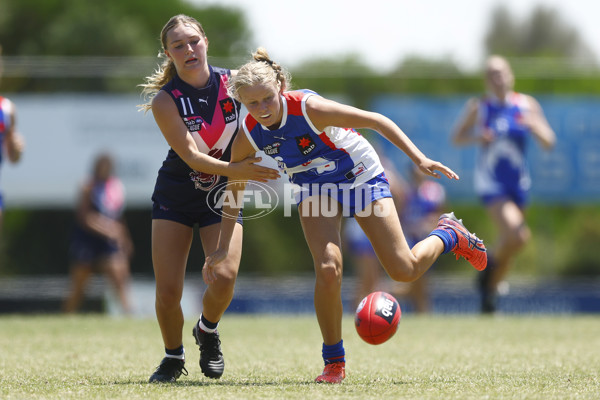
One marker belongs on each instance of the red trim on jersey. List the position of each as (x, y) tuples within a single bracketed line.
[(323, 136), (295, 105), (250, 122)]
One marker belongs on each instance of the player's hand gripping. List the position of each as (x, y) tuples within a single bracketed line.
[(208, 270), (247, 169)]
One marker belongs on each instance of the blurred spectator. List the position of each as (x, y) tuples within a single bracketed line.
[(11, 142), (100, 240), (422, 203), (500, 123)]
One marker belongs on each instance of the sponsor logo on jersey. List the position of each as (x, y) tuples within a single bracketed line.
[(228, 109), (194, 124), (305, 144), (272, 149), (358, 169)]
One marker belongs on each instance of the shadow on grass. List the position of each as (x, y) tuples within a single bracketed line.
[(257, 383)]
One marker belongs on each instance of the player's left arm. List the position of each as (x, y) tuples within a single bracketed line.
[(536, 121), (323, 113), (13, 139)]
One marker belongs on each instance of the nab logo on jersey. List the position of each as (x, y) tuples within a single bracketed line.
[(228, 109), (305, 144)]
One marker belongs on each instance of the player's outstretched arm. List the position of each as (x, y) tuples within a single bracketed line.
[(463, 133), (538, 124), (324, 113)]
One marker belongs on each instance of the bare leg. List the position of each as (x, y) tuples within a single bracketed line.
[(369, 275), (385, 233), (323, 238), (219, 294), (118, 273), (419, 294), (171, 243), (80, 275), (512, 236)]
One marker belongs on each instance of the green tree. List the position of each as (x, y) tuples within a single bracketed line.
[(105, 28), (542, 34)]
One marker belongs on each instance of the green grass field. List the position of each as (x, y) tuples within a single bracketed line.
[(278, 357)]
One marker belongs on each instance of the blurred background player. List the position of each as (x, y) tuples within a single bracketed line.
[(420, 200), (11, 141), (500, 123), (199, 120), (100, 239)]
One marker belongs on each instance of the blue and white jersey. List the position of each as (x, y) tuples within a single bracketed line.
[(307, 155), (501, 168)]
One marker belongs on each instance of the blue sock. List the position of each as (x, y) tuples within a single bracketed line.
[(448, 236), (334, 353), (177, 353)]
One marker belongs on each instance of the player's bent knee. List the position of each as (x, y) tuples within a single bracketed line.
[(224, 282), (329, 275), (168, 298), (403, 275)]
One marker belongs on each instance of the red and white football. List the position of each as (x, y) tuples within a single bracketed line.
[(377, 317)]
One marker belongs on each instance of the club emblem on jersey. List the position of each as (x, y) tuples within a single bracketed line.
[(305, 144), (228, 109), (272, 149), (203, 181)]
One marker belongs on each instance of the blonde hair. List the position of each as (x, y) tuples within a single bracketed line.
[(497, 61), (166, 71), (261, 70)]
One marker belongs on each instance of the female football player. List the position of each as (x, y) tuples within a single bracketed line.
[(199, 120), (100, 237), (500, 123), (337, 173)]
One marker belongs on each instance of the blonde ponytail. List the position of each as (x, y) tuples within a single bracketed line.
[(258, 71)]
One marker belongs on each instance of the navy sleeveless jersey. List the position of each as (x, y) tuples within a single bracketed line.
[(212, 117)]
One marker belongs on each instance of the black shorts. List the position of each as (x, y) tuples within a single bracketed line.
[(204, 216)]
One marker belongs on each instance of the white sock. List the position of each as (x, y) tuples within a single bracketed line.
[(204, 327), (178, 357)]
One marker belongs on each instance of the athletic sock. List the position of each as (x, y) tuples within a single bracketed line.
[(448, 236), (178, 353), (207, 326), (334, 353)]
